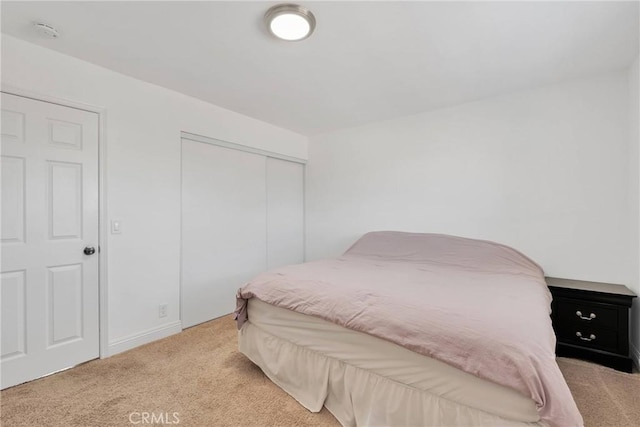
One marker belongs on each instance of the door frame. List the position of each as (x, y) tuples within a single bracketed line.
[(103, 317)]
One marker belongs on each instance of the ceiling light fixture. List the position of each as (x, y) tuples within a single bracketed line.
[(290, 22)]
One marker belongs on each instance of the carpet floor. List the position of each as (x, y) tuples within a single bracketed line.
[(198, 378)]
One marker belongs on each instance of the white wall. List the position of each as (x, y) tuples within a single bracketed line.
[(634, 201), (543, 170), (143, 174)]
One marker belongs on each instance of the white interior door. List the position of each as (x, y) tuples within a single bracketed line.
[(223, 227), (285, 213), (49, 287)]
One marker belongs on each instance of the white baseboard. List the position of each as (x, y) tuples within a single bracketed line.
[(150, 335), (635, 355)]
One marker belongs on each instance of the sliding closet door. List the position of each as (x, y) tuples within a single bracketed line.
[(285, 213), (223, 227)]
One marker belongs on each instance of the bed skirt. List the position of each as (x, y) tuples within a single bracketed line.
[(355, 396)]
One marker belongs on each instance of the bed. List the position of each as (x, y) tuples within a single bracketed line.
[(409, 329)]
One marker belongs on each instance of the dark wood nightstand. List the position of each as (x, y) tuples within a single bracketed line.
[(591, 321)]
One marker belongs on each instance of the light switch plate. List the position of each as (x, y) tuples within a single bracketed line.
[(116, 226)]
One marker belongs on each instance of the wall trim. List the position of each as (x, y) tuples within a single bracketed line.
[(145, 337), (240, 147), (103, 229)]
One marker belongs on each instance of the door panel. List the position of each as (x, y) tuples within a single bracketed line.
[(49, 214), (285, 213), (65, 134), (223, 227), (65, 200), (14, 319), (13, 220), (12, 126), (64, 304)]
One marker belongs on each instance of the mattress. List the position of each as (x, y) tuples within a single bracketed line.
[(365, 380)]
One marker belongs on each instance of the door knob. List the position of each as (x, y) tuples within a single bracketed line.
[(89, 250)]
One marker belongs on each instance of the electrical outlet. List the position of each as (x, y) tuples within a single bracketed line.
[(162, 310)]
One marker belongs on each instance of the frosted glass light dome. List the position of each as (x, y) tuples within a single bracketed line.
[(290, 22)]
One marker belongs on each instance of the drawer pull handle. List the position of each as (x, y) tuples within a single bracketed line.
[(591, 316), (591, 337)]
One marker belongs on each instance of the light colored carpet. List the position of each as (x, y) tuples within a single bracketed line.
[(605, 397), (200, 375)]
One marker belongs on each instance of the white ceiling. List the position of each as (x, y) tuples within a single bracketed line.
[(366, 61)]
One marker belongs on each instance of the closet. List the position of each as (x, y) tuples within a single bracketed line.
[(242, 214)]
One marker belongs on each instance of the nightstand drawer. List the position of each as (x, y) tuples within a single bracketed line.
[(588, 336), (588, 314)]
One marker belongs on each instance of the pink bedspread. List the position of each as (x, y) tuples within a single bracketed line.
[(476, 305)]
